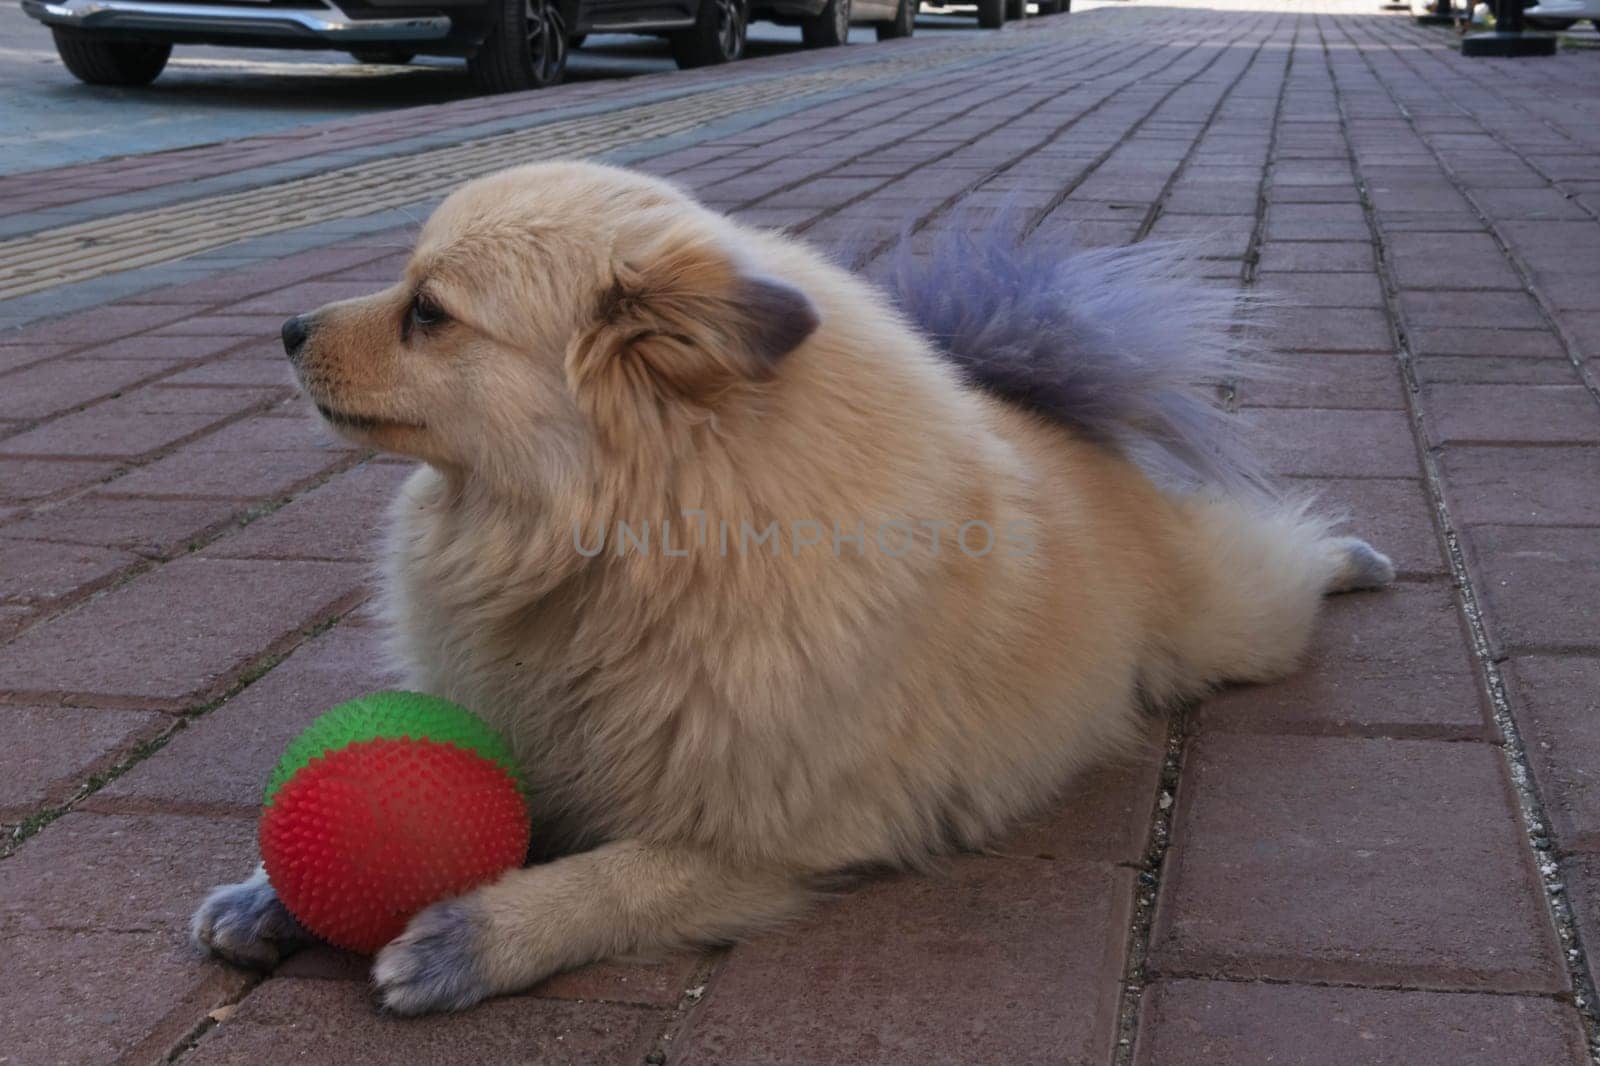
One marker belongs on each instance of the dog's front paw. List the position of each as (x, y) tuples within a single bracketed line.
[(438, 963), (246, 923)]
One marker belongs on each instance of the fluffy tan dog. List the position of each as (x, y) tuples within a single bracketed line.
[(761, 582)]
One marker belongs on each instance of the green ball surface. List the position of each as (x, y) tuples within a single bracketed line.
[(390, 715)]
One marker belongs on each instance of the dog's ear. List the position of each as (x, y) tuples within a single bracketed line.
[(684, 320)]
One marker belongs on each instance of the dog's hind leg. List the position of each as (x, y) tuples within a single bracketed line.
[(623, 898), (1254, 575)]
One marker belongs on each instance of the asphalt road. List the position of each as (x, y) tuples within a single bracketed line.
[(48, 118)]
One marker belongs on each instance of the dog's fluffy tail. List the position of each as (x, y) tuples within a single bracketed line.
[(1116, 343)]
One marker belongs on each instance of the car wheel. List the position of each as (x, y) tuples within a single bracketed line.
[(991, 14), (1049, 7), (1541, 23), (828, 27), (101, 62), (717, 36), (395, 57), (1016, 10), (526, 48), (904, 23)]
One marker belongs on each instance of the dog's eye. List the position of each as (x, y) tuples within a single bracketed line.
[(424, 312)]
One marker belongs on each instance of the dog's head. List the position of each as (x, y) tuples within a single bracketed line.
[(547, 312)]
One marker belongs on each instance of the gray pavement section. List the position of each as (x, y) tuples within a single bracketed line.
[(205, 95)]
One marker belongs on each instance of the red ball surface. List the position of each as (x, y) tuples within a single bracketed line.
[(362, 838)]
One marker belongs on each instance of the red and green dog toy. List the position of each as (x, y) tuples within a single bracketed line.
[(384, 805)]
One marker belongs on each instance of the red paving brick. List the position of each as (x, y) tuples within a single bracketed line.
[(104, 324), (1496, 310), (239, 462), (1541, 587), (1317, 859), (124, 873), (890, 973), (115, 429), (1540, 414), (93, 914), (63, 384), (1456, 339), (1103, 815), (35, 572), (1523, 486), (1492, 370), (175, 636), (1190, 1023), (222, 760), (24, 480), (144, 526), (241, 370), (341, 519), (1305, 442), (1557, 700), (1321, 290), (1315, 379), (271, 1025), (12, 619), (1394, 663), (1450, 260), (17, 356), (1317, 256), (1332, 330), (51, 751), (222, 325), (85, 996), (1393, 514), (172, 351)]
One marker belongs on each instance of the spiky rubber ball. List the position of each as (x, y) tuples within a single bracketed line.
[(384, 805)]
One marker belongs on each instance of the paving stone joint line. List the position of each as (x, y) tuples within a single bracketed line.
[(1531, 805)]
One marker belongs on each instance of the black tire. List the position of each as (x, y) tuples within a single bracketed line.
[(904, 23), (829, 27), (395, 57), (526, 47), (1016, 10), (1541, 23), (1049, 7), (718, 34), (991, 14), (96, 61)]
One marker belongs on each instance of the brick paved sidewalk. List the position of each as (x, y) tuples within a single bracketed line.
[(1394, 857)]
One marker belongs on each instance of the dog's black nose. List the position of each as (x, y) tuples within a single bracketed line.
[(295, 332)]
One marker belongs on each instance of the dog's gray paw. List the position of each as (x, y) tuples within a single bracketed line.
[(1364, 567), (246, 924), (436, 964)]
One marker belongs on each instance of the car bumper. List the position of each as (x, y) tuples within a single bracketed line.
[(328, 23)]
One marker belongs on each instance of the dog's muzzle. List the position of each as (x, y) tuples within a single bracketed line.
[(295, 331)]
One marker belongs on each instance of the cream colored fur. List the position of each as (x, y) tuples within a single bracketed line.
[(706, 734)]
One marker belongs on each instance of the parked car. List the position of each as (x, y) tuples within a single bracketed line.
[(508, 44), (1561, 14), (892, 18), (992, 14)]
